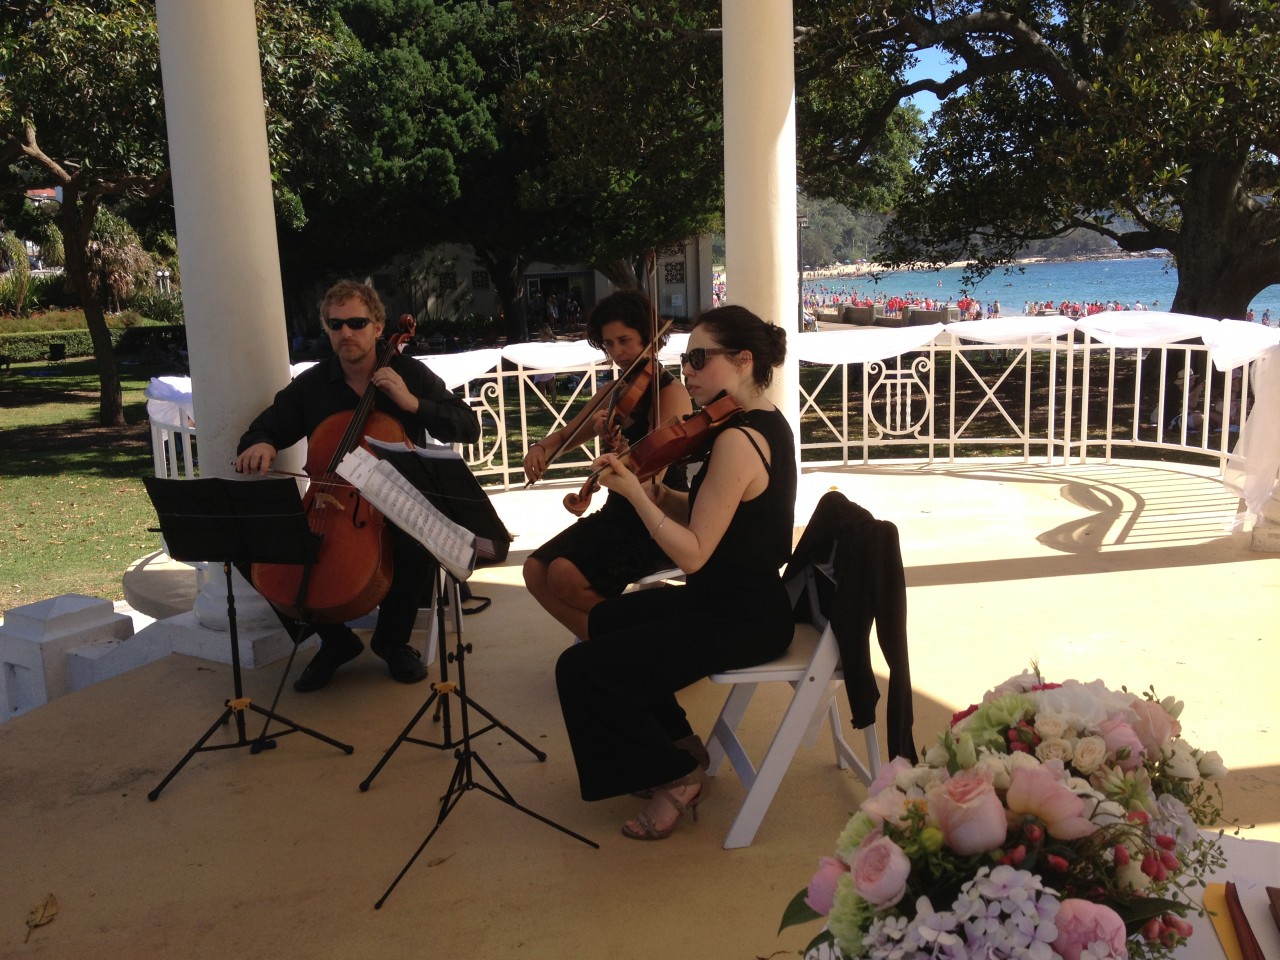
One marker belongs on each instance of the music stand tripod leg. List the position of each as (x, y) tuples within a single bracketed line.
[(463, 778), (198, 747), (215, 519)]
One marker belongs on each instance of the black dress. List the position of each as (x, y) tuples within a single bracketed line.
[(611, 546), (617, 690)]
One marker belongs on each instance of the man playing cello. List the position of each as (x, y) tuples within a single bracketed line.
[(354, 317)]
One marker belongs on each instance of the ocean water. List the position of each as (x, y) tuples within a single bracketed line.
[(1146, 279)]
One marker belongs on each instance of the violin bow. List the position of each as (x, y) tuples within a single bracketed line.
[(655, 382)]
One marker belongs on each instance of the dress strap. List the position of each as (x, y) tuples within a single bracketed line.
[(746, 433)]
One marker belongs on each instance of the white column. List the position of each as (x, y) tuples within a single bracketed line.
[(760, 173), (231, 290)]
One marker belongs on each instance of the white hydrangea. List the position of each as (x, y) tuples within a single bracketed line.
[(1085, 705)]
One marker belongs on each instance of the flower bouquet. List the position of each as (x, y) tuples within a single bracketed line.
[(1051, 820)]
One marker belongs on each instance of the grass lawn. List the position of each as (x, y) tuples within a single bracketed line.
[(74, 513)]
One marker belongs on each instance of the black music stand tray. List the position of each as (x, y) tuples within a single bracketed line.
[(230, 522), (463, 779)]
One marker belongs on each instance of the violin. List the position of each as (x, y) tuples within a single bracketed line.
[(353, 567), (670, 445), (619, 399)]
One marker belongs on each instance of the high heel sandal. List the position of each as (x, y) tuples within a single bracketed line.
[(691, 745), (648, 830)]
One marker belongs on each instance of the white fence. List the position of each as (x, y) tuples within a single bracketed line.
[(1048, 389)]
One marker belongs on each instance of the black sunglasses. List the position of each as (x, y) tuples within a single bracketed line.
[(355, 323), (697, 357)]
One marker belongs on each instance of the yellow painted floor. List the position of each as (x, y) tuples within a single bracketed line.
[(1124, 572)]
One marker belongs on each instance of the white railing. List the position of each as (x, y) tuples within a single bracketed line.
[(1048, 389)]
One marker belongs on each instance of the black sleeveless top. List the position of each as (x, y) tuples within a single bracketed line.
[(758, 540)]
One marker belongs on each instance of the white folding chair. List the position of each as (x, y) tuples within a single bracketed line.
[(811, 666)]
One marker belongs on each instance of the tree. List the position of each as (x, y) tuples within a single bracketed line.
[(82, 109), (639, 121), (1148, 122), (632, 107)]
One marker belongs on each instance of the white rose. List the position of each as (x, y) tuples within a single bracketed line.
[(1054, 748), (1090, 753), (1211, 766), (917, 780), (997, 765), (1050, 726), (1180, 761)]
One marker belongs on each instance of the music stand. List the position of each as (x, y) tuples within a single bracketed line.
[(230, 522), (434, 486)]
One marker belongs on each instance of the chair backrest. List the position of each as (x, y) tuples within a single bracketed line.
[(173, 450)]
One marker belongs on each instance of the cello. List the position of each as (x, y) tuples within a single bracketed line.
[(353, 567)]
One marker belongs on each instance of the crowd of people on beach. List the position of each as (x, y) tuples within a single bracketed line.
[(970, 308)]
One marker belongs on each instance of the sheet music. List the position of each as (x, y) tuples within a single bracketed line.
[(428, 451), (405, 506)]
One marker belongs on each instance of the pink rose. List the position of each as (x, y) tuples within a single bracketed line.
[(1037, 792), (888, 773), (1120, 738), (880, 872), (968, 812), (1082, 922), (1154, 726), (822, 888)]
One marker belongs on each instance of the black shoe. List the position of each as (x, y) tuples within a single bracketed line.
[(404, 662), (330, 656)]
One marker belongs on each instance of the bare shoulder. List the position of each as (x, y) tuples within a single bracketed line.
[(742, 441)]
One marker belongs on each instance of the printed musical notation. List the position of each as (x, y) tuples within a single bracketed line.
[(405, 506)]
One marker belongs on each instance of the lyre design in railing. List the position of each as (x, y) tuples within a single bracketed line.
[(488, 454), (899, 401)]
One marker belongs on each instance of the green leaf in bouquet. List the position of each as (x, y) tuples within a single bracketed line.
[(798, 912)]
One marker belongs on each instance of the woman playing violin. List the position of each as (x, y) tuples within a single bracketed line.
[(603, 552), (353, 317), (731, 533)]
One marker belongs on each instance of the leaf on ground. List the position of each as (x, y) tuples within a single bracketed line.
[(42, 913)]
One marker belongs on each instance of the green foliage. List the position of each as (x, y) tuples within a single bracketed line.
[(14, 282), (29, 347), (1150, 124), (118, 265), (158, 307), (629, 101), (411, 104)]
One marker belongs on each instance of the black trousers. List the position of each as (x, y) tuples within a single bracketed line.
[(617, 690)]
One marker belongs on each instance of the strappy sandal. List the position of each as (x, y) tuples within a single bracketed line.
[(648, 830), (691, 745)]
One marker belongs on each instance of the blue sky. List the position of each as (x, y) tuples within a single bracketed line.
[(932, 64)]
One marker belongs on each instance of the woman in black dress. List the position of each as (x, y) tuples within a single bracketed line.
[(731, 533), (603, 552)]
